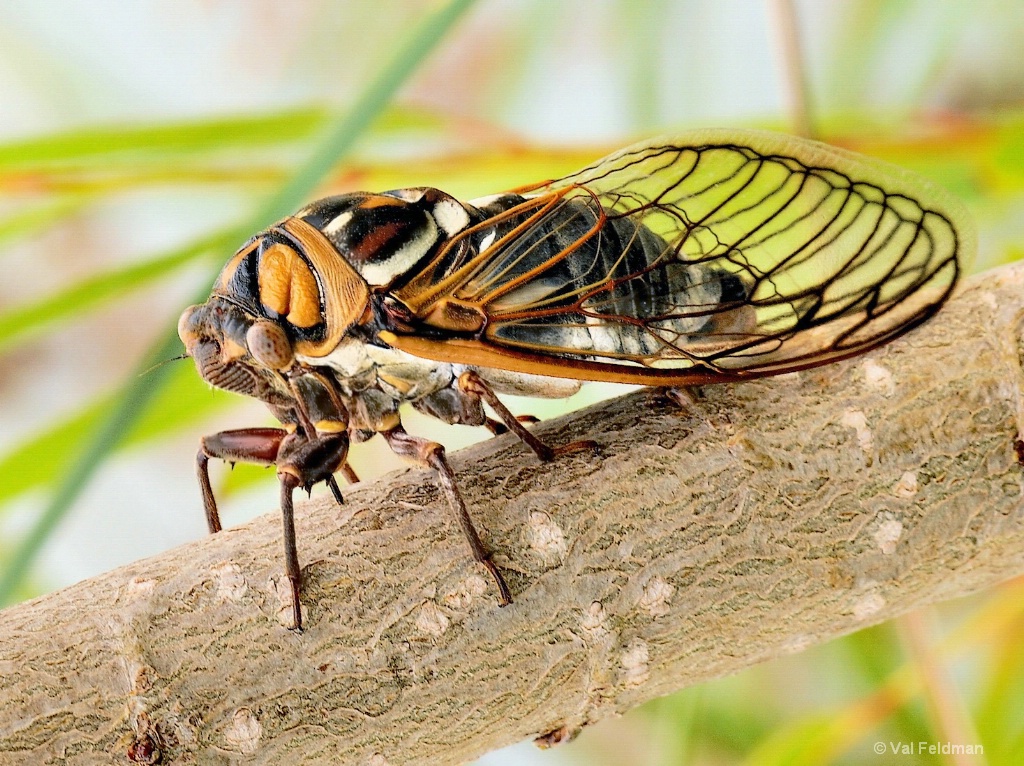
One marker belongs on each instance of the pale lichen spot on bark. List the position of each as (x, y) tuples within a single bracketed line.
[(870, 603), (858, 421), (469, 589), (879, 378), (634, 662), (431, 620), (243, 732), (888, 534), (139, 587), (546, 538), (595, 619), (231, 583), (656, 596), (906, 487)]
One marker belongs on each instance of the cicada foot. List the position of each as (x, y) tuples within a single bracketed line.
[(498, 428), (471, 384), (332, 483), (350, 478), (685, 398), (432, 454)]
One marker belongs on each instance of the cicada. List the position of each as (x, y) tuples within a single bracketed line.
[(706, 257)]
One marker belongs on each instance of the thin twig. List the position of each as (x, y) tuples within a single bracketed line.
[(792, 63), (693, 545)]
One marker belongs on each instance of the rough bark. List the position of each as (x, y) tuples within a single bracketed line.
[(771, 516)]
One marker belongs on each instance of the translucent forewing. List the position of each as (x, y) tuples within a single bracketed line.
[(713, 255)]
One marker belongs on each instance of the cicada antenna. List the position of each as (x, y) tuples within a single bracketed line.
[(161, 364)]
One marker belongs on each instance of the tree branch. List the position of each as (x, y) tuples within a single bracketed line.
[(771, 516)]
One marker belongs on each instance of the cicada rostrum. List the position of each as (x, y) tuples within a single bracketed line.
[(702, 258)]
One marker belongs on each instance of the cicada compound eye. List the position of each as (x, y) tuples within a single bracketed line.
[(269, 345), (186, 326)]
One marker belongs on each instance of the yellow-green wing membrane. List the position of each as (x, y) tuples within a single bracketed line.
[(714, 255)]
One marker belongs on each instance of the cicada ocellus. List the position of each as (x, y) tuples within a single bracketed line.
[(702, 258)]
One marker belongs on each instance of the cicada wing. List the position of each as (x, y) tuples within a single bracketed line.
[(720, 254)]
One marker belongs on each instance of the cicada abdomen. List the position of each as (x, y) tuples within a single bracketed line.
[(566, 282)]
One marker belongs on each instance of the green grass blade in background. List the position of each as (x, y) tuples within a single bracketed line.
[(96, 447), (38, 217), (98, 148), (338, 140), (102, 145), (182, 401), (343, 134)]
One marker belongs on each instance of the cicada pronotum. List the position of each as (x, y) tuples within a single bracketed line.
[(707, 257)]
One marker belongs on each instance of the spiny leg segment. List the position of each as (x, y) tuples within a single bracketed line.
[(471, 384), (432, 454)]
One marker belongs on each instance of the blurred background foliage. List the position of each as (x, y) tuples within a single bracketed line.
[(142, 143)]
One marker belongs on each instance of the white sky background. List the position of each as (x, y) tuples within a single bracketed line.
[(67, 63)]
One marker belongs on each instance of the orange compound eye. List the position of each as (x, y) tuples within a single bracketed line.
[(269, 345)]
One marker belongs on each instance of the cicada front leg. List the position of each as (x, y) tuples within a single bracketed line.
[(301, 462), (471, 384), (244, 445), (258, 446), (432, 454)]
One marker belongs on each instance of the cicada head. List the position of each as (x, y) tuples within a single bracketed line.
[(218, 336)]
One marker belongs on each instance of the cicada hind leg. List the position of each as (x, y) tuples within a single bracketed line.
[(471, 384), (498, 428), (432, 454), (301, 462)]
